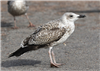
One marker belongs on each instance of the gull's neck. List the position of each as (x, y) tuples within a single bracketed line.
[(66, 22)]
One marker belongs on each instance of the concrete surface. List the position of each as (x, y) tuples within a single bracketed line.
[(81, 52)]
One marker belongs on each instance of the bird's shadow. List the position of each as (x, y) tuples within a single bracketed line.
[(5, 24), (19, 62)]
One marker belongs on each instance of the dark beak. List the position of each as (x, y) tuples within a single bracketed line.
[(81, 16)]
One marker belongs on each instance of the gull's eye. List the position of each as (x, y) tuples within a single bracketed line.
[(71, 16)]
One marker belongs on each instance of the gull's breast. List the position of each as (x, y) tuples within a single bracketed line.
[(69, 31)]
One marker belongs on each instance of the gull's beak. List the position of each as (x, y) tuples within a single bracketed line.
[(81, 16)]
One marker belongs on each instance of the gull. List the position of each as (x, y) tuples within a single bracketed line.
[(49, 35), (17, 8)]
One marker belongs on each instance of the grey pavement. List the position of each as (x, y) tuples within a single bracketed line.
[(81, 52)]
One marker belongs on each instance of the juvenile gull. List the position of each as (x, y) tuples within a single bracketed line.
[(17, 8), (49, 35)]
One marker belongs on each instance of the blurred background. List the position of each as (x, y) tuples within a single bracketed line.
[(82, 47), (38, 10)]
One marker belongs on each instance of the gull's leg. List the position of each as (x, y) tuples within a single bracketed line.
[(50, 54), (15, 27), (52, 63), (55, 60), (53, 57), (30, 24)]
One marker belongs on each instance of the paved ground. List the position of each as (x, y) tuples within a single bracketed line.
[(81, 52)]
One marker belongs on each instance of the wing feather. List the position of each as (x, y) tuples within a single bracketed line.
[(45, 34)]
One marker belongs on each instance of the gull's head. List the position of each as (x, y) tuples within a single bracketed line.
[(69, 16)]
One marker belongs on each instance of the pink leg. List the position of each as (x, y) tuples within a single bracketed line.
[(15, 27), (30, 24), (55, 60), (51, 61)]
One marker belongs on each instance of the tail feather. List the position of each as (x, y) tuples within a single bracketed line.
[(17, 53), (21, 51)]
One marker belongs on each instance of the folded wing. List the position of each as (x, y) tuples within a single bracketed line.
[(45, 34)]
